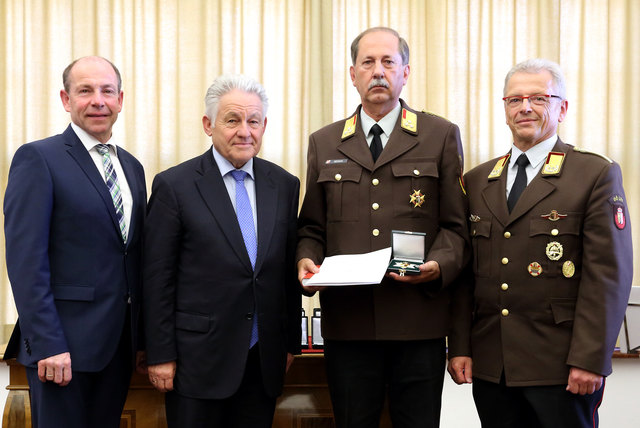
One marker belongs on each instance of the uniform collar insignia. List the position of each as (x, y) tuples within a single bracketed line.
[(409, 122), (349, 127), (553, 164), (499, 167)]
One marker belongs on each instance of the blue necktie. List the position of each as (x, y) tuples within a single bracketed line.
[(245, 220), (114, 187)]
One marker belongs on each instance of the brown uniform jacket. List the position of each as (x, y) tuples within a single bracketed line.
[(536, 327), (351, 206)]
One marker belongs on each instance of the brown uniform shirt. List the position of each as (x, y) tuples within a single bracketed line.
[(352, 205), (552, 278)]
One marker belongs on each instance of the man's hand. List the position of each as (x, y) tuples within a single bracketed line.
[(460, 369), (141, 362), (56, 368), (289, 361), (161, 375), (583, 382), (428, 272), (306, 266)]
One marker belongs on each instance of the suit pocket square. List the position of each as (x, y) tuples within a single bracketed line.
[(192, 322), (73, 292)]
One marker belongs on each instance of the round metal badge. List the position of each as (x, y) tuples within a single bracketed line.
[(534, 268), (554, 250)]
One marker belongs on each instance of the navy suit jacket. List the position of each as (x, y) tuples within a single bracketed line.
[(70, 271), (200, 291)]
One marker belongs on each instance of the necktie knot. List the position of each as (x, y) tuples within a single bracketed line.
[(103, 149), (376, 130), (522, 161), (239, 175)]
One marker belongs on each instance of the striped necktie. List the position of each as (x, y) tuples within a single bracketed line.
[(114, 187)]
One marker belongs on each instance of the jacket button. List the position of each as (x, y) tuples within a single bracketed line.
[(507, 235), (375, 232), (375, 181), (505, 260), (249, 316), (375, 206), (504, 286), (338, 177), (554, 232), (505, 312), (416, 172)]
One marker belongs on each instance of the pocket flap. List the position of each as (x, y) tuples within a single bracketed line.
[(563, 309), (480, 228), (415, 169), (192, 322), (73, 292), (339, 174)]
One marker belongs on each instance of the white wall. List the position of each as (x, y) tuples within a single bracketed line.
[(620, 409)]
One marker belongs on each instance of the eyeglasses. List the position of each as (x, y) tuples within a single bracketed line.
[(537, 99)]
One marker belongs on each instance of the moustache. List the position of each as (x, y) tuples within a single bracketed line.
[(378, 82)]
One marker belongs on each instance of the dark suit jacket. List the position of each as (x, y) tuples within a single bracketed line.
[(338, 217), (200, 290), (70, 271), (559, 318)]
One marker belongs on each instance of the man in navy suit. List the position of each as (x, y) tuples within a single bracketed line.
[(74, 211), (221, 299)]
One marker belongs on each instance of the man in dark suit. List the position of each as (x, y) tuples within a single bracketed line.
[(222, 304), (552, 266), (360, 187), (74, 210)]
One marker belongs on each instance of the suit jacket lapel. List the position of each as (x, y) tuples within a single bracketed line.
[(214, 192), (80, 154), (266, 208), (494, 196), (134, 187)]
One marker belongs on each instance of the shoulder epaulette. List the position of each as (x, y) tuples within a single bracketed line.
[(435, 115), (580, 150)]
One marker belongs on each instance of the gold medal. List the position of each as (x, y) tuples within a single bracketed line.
[(416, 198), (554, 250), (534, 268), (568, 269)]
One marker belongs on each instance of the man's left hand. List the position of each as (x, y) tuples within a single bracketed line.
[(583, 382), (429, 271)]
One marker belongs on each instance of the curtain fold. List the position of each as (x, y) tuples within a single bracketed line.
[(169, 52)]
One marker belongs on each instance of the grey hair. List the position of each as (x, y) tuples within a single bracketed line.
[(227, 83), (536, 65), (403, 47)]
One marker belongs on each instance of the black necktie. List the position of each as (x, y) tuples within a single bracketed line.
[(520, 183), (376, 143)]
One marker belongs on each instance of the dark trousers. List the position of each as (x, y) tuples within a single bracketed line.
[(501, 406), (362, 373), (249, 407), (91, 400)]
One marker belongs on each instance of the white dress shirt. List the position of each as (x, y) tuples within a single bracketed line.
[(90, 144), (387, 124), (536, 155)]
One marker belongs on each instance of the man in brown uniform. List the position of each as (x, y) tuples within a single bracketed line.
[(552, 266), (390, 335)]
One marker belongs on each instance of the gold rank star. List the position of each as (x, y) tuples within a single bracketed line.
[(416, 198)]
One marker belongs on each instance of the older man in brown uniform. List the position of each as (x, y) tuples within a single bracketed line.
[(552, 263), (360, 186)]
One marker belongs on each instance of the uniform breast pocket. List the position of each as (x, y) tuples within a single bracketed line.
[(415, 188), (481, 240), (341, 192), (557, 244)]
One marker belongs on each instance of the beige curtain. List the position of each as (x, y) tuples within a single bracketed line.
[(169, 51)]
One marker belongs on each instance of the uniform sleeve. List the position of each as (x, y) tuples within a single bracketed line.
[(450, 247), (606, 275), (28, 207), (312, 221), (161, 248)]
